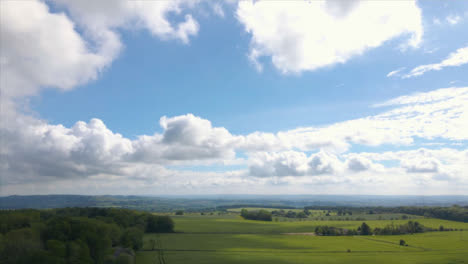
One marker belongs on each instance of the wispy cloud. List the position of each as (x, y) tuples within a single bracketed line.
[(453, 19), (218, 9), (454, 59), (396, 72)]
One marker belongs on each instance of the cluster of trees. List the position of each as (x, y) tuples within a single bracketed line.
[(290, 214), (341, 212), (365, 230), (332, 231), (262, 215), (76, 235), (266, 205), (408, 228), (179, 212)]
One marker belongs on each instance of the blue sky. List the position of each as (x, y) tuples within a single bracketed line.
[(212, 77), (208, 70)]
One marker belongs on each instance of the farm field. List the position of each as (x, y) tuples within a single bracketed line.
[(235, 224), (231, 239)]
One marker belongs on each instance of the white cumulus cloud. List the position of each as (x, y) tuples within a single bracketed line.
[(307, 35)]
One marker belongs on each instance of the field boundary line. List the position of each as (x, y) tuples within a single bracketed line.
[(388, 242)]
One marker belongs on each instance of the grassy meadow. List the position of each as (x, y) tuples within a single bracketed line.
[(227, 238), (235, 224)]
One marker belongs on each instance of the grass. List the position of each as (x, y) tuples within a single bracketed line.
[(230, 239), (440, 247), (235, 224)]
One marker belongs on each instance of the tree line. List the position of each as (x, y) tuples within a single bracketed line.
[(411, 227), (262, 215), (76, 235), (233, 206), (291, 214)]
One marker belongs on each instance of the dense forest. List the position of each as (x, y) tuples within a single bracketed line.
[(76, 235)]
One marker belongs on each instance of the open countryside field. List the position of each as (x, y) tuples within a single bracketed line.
[(231, 239), (235, 224)]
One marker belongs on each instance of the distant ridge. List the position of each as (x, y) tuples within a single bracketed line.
[(198, 202)]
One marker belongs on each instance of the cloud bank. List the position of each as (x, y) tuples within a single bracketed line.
[(41, 49), (35, 151)]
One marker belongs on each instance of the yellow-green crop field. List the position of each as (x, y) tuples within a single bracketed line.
[(230, 239)]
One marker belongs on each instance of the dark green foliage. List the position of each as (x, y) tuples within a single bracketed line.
[(18, 244), (132, 238), (329, 231), (365, 229), (9, 221), (78, 252), (408, 228), (402, 242), (179, 212), (159, 224), (262, 215), (39, 257), (262, 205), (57, 248), (290, 214), (301, 215), (75, 235)]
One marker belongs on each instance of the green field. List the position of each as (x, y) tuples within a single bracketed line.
[(230, 239), (235, 224)]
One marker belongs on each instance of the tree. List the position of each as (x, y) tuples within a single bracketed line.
[(301, 215), (18, 244), (57, 248), (365, 229), (78, 253), (262, 215), (179, 212), (402, 242), (133, 238), (291, 214)]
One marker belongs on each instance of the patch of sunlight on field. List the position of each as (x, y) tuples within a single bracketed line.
[(440, 247), (231, 239)]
